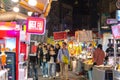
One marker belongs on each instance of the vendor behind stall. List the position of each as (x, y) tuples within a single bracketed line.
[(99, 55), (109, 50)]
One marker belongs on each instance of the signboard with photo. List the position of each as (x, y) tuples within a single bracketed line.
[(36, 25), (82, 36), (116, 31)]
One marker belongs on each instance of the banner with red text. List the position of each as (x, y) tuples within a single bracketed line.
[(60, 35)]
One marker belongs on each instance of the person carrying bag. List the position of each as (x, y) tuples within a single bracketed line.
[(64, 59)]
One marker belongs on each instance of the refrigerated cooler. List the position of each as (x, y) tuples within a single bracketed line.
[(10, 64)]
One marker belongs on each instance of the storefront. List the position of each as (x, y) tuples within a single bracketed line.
[(10, 42)]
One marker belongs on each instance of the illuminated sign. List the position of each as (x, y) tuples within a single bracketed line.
[(112, 21), (36, 25), (116, 31), (7, 25)]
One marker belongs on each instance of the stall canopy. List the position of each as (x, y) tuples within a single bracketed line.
[(43, 6)]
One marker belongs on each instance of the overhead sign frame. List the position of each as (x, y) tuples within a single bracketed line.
[(36, 25)]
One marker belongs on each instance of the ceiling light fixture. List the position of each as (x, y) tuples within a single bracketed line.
[(54, 0), (29, 13), (16, 9), (76, 2), (105, 27), (32, 2), (15, 1)]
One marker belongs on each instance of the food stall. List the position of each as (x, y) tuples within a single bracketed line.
[(116, 38), (112, 69), (104, 72), (85, 61)]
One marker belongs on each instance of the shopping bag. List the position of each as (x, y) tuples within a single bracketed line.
[(65, 59)]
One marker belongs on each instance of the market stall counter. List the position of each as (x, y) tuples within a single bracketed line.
[(102, 73), (87, 67)]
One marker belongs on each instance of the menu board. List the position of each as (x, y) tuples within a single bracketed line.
[(116, 31)]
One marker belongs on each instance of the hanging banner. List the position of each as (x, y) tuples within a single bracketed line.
[(82, 36), (116, 31), (60, 35), (36, 25)]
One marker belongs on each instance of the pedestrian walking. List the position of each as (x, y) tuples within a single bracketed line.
[(45, 62), (63, 58), (40, 54), (52, 63), (57, 47)]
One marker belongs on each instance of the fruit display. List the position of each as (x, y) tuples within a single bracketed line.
[(118, 67), (89, 61), (88, 64)]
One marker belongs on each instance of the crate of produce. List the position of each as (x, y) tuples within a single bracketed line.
[(87, 66)]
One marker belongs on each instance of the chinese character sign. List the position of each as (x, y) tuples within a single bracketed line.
[(36, 25), (116, 31)]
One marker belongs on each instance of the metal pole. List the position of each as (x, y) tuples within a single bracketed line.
[(60, 14), (115, 53), (99, 23)]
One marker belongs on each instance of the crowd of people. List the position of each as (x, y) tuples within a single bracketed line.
[(50, 60), (53, 60)]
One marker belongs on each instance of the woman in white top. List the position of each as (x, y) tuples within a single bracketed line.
[(52, 62)]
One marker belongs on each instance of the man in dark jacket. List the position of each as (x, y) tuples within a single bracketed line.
[(33, 60), (40, 54), (109, 50)]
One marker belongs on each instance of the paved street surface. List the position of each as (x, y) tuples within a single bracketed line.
[(72, 76)]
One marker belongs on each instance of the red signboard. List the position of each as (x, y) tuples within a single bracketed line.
[(60, 35), (34, 49), (7, 25), (23, 49), (116, 31), (36, 25)]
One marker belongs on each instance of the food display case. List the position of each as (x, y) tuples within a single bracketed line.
[(11, 65)]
